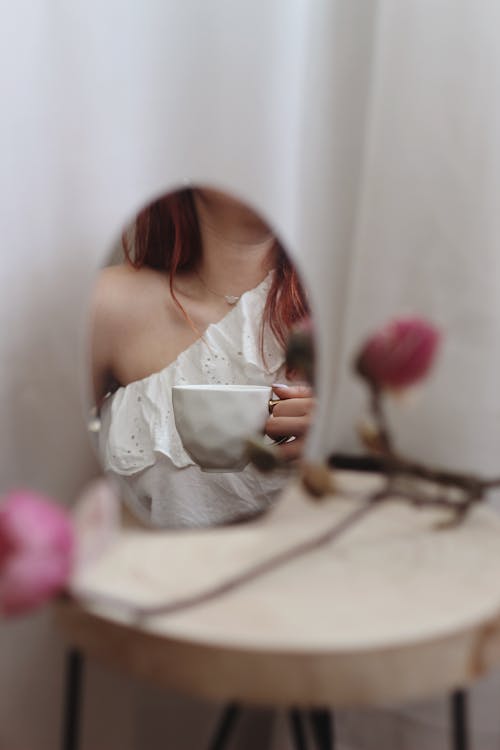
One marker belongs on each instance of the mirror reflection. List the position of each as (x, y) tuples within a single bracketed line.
[(189, 325)]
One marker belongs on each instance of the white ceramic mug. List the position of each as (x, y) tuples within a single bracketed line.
[(215, 421)]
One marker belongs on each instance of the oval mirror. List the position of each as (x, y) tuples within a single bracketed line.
[(190, 319)]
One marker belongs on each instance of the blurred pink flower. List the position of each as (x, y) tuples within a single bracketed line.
[(400, 354), (37, 546)]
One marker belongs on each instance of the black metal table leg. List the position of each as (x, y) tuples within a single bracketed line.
[(225, 727), (297, 726), (72, 699), (459, 723), (323, 727)]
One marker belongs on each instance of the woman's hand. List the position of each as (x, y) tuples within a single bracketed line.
[(291, 417)]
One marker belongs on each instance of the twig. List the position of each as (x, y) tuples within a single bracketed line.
[(490, 484), (459, 508), (395, 466), (137, 613)]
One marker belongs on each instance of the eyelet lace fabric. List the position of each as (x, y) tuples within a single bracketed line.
[(139, 442)]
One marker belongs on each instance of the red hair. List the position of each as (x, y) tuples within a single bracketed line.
[(167, 237)]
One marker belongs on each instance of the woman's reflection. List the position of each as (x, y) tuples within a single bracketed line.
[(206, 294)]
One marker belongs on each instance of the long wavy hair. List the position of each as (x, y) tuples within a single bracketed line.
[(166, 236)]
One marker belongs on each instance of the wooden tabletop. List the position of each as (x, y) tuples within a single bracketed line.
[(394, 609)]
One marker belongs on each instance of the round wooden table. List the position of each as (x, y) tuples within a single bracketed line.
[(395, 609)]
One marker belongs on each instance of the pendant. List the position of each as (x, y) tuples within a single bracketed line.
[(231, 299)]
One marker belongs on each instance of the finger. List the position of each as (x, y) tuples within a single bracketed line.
[(292, 391), (292, 426), (293, 407)]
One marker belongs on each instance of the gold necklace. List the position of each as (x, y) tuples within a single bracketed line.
[(231, 299)]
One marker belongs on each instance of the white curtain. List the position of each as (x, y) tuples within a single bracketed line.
[(427, 228), (426, 240), (368, 133)]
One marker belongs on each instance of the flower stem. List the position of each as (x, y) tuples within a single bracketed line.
[(380, 418)]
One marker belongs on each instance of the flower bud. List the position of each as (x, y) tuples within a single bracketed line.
[(262, 456), (398, 355), (370, 436), (317, 479)]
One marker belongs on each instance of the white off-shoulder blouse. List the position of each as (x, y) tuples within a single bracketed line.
[(138, 441)]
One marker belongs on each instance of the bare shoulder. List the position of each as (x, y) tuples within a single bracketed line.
[(122, 292), (125, 300), (137, 328), (116, 282)]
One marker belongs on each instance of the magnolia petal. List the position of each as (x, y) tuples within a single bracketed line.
[(400, 354)]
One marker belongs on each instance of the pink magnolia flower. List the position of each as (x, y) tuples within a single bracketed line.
[(398, 355), (37, 544)]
